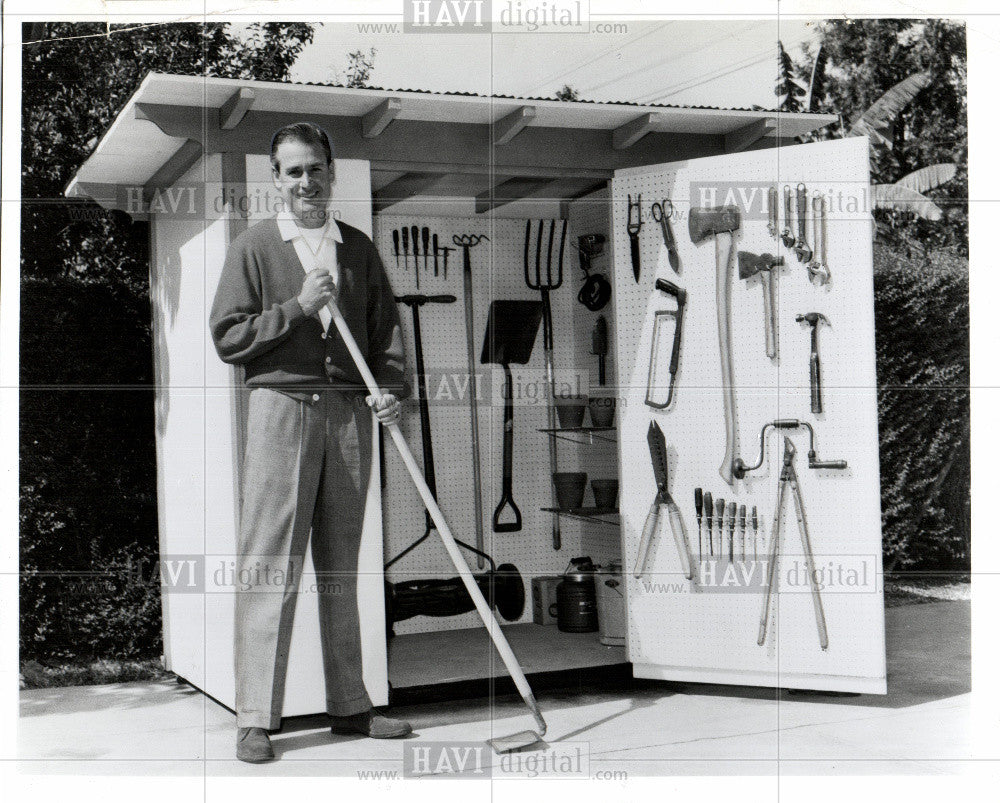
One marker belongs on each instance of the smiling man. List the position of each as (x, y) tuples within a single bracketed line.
[(308, 441)]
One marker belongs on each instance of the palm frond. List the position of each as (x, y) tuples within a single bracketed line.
[(880, 115), (903, 199), (927, 178)]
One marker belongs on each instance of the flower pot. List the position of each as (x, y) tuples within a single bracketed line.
[(602, 410), (570, 411), (570, 486), (605, 493)]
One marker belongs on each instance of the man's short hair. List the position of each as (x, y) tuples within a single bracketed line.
[(309, 133)]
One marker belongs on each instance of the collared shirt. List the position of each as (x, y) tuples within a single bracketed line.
[(316, 248)]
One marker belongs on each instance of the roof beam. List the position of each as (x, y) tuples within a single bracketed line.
[(505, 129), (233, 111), (513, 189), (378, 119), (406, 186), (451, 147), (743, 137), (625, 136), (175, 167)]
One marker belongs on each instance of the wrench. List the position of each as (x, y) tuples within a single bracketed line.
[(772, 212), (817, 265), (802, 249), (787, 238)]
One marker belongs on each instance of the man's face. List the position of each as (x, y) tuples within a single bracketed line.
[(303, 177)]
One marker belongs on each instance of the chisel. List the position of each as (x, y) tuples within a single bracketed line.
[(753, 523), (708, 517), (425, 238), (435, 255), (406, 248), (395, 245)]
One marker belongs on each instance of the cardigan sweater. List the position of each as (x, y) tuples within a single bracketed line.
[(256, 320)]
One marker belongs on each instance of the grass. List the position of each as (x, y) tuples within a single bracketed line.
[(36, 675), (910, 588)]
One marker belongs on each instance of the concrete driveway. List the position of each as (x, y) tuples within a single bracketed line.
[(650, 728)]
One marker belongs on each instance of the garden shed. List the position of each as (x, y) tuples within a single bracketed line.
[(559, 186)]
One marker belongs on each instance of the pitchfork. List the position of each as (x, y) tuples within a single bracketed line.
[(544, 287)]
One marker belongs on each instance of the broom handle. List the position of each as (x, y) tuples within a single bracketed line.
[(489, 619)]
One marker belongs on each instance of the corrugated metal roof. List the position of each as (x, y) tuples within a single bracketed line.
[(131, 150)]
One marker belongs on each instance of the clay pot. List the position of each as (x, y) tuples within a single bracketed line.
[(605, 493), (602, 410), (570, 411), (570, 486)]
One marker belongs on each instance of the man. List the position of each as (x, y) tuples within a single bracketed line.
[(308, 441)]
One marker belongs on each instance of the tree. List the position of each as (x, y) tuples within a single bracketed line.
[(567, 93), (788, 88), (87, 461), (359, 68), (75, 78), (866, 59)]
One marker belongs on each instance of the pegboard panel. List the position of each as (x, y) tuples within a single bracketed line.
[(498, 273), (592, 215), (706, 629)]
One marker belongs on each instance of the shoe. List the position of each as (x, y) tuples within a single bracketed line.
[(253, 745), (370, 723)]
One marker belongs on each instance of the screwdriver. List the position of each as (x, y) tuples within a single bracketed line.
[(425, 237), (415, 234), (697, 512), (732, 528), (720, 509), (753, 522), (708, 516), (435, 254), (395, 245), (743, 532)]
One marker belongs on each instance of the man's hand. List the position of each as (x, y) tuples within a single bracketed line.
[(386, 407), (317, 291)]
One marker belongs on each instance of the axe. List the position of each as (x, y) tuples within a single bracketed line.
[(704, 222), (750, 266)]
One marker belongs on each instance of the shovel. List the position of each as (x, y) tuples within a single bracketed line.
[(500, 744), (511, 329)]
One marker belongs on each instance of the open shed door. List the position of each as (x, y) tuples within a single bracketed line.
[(706, 628)]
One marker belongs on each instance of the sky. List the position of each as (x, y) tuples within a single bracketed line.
[(709, 63)]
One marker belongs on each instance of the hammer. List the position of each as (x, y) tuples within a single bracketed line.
[(716, 221), (750, 266), (815, 389)]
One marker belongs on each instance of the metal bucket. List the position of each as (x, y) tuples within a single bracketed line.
[(611, 604)]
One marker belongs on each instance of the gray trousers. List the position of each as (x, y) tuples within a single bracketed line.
[(305, 465)]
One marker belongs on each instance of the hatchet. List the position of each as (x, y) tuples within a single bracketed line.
[(721, 222), (751, 265)]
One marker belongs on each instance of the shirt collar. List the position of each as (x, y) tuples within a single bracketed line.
[(289, 229)]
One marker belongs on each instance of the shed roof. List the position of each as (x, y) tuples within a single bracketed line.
[(171, 119)]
